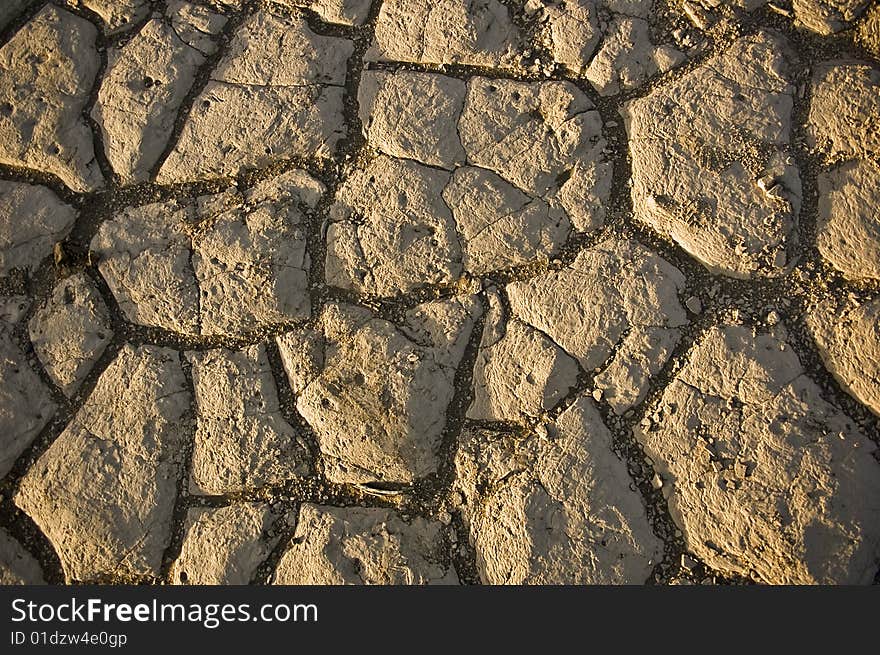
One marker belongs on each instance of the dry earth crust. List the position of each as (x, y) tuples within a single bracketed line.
[(439, 291)]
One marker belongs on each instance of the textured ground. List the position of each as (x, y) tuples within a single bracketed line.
[(439, 291)]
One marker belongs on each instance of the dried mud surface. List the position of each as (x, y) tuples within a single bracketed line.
[(439, 292)]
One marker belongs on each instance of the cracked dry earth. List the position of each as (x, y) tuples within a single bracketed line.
[(439, 291)]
